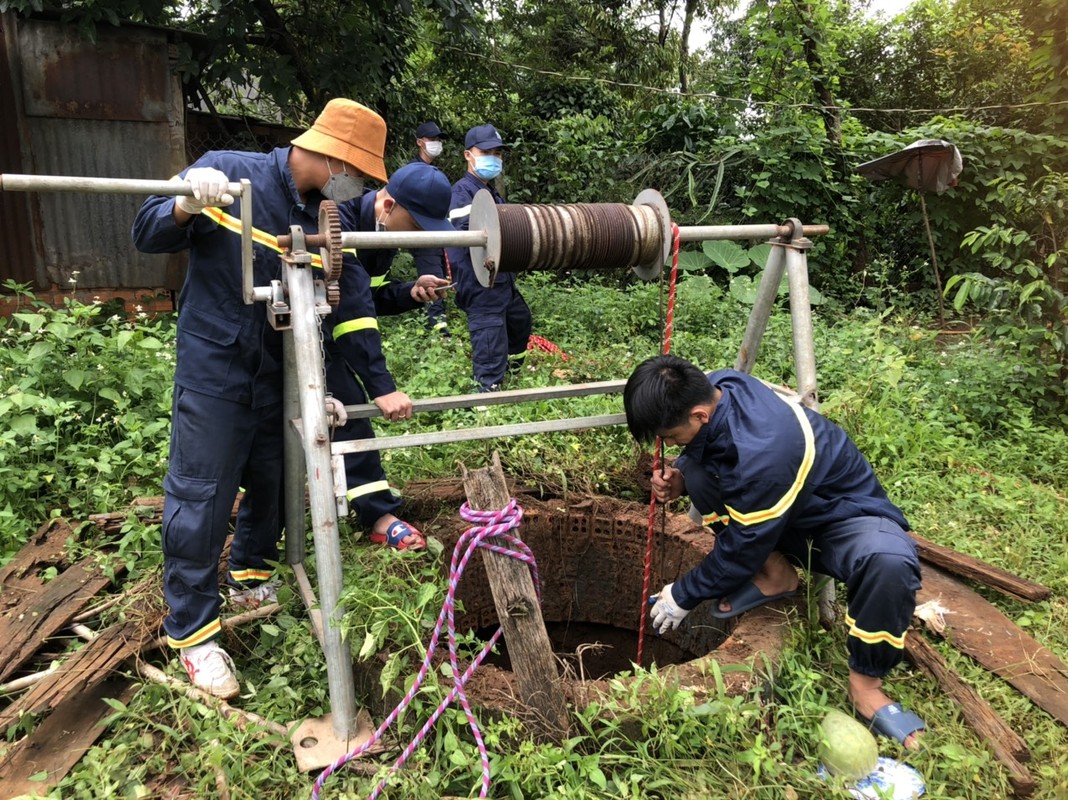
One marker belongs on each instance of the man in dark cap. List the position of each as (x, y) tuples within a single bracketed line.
[(431, 260), (497, 316), (428, 139)]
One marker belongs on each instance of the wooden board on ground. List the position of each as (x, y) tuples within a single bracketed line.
[(42, 759), (41, 614), (978, 629), (975, 569)]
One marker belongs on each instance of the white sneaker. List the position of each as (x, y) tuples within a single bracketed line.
[(210, 668), (254, 597)]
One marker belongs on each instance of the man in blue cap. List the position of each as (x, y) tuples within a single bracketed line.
[(431, 260), (415, 198), (497, 316)]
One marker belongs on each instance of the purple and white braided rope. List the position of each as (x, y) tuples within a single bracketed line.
[(492, 527)]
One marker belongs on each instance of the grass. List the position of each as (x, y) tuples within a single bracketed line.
[(956, 445)]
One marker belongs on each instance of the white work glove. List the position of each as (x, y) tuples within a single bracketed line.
[(336, 415), (666, 613), (209, 189)]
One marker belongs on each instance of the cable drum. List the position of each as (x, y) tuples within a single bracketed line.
[(578, 236)]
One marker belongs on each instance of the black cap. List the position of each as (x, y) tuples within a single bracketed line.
[(484, 137), (428, 130)]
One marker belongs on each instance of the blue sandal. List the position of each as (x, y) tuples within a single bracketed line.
[(746, 599), (395, 535), (894, 722)]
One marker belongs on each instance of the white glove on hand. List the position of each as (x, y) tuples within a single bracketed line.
[(666, 613), (209, 189)]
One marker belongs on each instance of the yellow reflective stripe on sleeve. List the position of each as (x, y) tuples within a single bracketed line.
[(712, 519), (456, 213), (787, 500), (209, 631), (243, 575), (353, 325), (233, 224), (378, 281), (367, 488), (874, 637)]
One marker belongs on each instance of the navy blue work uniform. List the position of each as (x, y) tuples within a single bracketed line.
[(226, 427), (430, 261), (767, 474), (497, 316)]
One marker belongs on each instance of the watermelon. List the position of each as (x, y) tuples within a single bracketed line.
[(847, 748)]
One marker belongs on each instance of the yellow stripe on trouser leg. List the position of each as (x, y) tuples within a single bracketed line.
[(366, 489), (874, 637), (246, 575), (353, 325), (209, 631)]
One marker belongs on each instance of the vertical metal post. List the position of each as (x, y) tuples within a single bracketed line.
[(312, 392), (247, 276), (805, 366), (761, 313), (801, 316), (293, 491)]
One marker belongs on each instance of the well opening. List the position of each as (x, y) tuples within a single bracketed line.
[(590, 553)]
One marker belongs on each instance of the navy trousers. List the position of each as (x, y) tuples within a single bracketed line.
[(500, 323), (365, 479), (217, 446), (877, 562)]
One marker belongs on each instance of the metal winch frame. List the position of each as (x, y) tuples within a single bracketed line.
[(295, 305)]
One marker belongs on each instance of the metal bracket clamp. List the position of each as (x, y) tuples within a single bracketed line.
[(278, 312), (798, 241)]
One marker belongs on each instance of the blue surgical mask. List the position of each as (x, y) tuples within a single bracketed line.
[(488, 167), (342, 186)]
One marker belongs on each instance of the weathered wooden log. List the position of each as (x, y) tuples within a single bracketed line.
[(979, 629), (1006, 745), (977, 570), (519, 613)]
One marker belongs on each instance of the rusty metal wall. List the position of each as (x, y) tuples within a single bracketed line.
[(108, 108), (19, 258)]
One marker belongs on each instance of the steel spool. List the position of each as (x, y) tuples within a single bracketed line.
[(577, 236)]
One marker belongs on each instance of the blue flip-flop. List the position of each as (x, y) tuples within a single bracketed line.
[(894, 722), (746, 599), (395, 535)]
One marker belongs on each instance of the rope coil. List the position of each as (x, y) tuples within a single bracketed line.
[(493, 525)]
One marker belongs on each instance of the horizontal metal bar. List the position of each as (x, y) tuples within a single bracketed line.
[(407, 239), (704, 233), (63, 183), (472, 434), (496, 398)]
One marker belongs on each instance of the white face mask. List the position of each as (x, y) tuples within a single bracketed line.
[(433, 148), (342, 186)]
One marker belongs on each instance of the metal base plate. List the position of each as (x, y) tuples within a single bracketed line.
[(317, 746)]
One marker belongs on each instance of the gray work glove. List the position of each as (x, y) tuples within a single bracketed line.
[(666, 613), (210, 188)]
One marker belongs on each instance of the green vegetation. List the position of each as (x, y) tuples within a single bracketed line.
[(955, 434)]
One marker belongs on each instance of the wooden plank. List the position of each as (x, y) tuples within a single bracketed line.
[(975, 569), (1006, 745), (518, 610), (25, 627), (978, 629), (58, 743), (46, 548)]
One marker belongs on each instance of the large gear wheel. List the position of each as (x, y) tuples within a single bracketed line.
[(330, 227)]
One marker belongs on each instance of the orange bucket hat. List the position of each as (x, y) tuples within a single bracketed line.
[(349, 132)]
